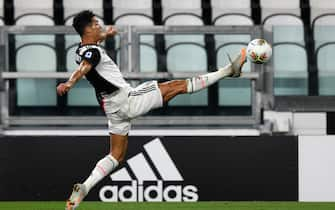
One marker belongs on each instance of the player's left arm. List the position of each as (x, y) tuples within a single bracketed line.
[(83, 69), (109, 32)]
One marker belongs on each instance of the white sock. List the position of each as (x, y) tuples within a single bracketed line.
[(102, 169), (195, 84)]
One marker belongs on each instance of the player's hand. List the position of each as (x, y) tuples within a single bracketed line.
[(111, 31), (62, 88)]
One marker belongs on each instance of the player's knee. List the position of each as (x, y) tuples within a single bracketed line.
[(117, 155), (179, 86), (121, 159)]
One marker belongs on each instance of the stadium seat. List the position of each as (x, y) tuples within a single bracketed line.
[(271, 7), (133, 19), (285, 28), (148, 54), (231, 44), (148, 58), (326, 72), (233, 19), (186, 53), (43, 46), (41, 92), (321, 7), (72, 7), (183, 19), (224, 39), (2, 14), (188, 58), (178, 10), (137, 12), (228, 7), (233, 92), (34, 12), (324, 29), (290, 69)]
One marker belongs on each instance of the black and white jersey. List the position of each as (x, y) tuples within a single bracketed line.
[(105, 75)]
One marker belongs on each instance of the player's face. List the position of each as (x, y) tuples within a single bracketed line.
[(95, 27)]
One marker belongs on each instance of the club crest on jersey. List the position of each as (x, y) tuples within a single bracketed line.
[(88, 54)]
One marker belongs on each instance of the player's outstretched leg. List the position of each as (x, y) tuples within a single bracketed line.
[(118, 147), (175, 87), (233, 69), (102, 169), (78, 194)]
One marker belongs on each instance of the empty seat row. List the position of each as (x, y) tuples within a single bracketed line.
[(323, 25), (290, 77), (46, 12)]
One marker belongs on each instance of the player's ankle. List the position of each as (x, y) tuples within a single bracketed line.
[(226, 71)]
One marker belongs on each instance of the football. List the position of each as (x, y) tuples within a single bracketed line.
[(259, 51)]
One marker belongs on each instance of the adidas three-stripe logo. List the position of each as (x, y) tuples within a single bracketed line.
[(165, 170), (142, 170)]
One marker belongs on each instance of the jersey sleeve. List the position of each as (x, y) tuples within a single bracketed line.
[(92, 56)]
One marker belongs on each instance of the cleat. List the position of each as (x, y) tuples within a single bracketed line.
[(238, 63), (78, 194)]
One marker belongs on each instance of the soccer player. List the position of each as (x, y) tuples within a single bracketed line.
[(120, 102)]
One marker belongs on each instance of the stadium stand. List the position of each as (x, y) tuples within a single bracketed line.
[(185, 53), (301, 29), (323, 26), (2, 13), (320, 8), (323, 29), (285, 7), (138, 12), (42, 92), (290, 77), (35, 12), (325, 65), (284, 20), (285, 28), (228, 44), (189, 11), (130, 12), (71, 7), (239, 12)]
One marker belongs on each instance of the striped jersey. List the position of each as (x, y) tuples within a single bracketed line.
[(105, 75)]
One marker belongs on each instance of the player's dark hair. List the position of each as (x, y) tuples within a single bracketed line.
[(81, 20)]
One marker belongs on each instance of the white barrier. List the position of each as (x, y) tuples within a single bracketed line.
[(317, 168)]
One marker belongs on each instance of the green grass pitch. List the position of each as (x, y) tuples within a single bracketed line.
[(170, 206)]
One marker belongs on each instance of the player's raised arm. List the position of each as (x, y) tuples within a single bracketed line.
[(83, 68), (109, 32)]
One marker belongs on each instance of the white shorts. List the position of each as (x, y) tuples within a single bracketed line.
[(129, 104)]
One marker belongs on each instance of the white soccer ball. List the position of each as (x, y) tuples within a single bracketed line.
[(259, 51)]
